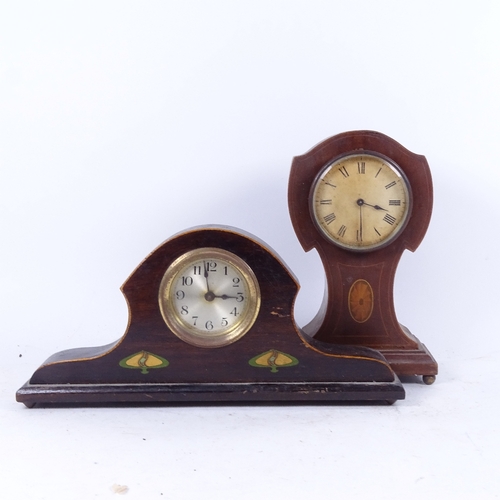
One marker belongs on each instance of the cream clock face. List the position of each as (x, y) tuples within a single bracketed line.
[(361, 201), (209, 297)]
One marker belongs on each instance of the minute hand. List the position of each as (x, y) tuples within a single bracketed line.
[(205, 274)]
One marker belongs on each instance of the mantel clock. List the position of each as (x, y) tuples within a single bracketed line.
[(360, 199), (211, 321)]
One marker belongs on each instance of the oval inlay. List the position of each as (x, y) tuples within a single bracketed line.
[(361, 301)]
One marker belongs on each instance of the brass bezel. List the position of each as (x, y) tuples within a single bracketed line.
[(196, 336)]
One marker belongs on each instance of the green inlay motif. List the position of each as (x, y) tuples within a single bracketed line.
[(273, 359), (144, 361)]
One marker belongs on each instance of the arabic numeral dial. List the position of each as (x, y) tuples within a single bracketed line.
[(209, 297)]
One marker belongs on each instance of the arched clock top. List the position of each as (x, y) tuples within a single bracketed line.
[(227, 237), (306, 169)]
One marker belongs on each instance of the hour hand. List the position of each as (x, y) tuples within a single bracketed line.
[(376, 207), (210, 296), (361, 202), (225, 297)]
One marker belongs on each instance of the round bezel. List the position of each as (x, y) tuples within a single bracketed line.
[(379, 237), (206, 332)]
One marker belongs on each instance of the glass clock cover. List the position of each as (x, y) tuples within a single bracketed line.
[(209, 297), (361, 201)]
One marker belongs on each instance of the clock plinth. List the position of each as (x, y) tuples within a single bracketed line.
[(361, 199), (410, 362), (269, 361)]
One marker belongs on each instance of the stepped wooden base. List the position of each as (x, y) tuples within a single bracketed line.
[(210, 393), (412, 362)]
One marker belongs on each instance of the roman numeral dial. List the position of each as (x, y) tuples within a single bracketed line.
[(361, 201)]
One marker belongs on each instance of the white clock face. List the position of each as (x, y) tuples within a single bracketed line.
[(209, 297), (361, 201)]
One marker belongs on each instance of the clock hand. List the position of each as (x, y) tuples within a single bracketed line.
[(360, 234), (209, 296), (224, 297), (205, 273), (362, 202), (376, 207)]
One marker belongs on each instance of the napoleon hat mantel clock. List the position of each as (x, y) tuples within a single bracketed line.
[(211, 321), (361, 199)]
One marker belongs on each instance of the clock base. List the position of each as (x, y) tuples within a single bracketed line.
[(408, 363), (316, 373), (209, 393), (411, 362)]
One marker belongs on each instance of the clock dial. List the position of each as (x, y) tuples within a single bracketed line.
[(209, 297), (361, 201)]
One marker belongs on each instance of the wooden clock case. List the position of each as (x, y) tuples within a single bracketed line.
[(334, 322), (272, 362)]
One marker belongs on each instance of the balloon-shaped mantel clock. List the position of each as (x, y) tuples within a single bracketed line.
[(211, 321), (361, 199)]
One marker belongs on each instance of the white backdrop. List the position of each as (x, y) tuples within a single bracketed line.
[(122, 123)]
